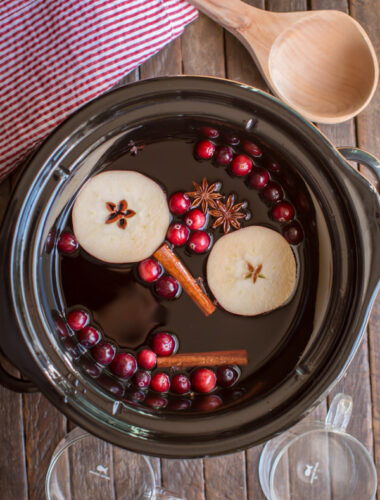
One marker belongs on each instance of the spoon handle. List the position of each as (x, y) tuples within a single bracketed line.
[(234, 15)]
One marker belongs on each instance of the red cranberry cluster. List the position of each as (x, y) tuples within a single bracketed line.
[(164, 285), (242, 164), (192, 230)]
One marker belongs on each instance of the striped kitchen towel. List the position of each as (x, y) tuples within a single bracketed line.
[(56, 55)]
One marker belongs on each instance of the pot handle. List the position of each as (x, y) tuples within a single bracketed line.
[(360, 156), (15, 384)]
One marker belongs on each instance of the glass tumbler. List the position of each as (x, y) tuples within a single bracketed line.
[(83, 466), (318, 460)]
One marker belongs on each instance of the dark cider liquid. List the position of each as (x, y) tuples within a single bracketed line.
[(128, 312)]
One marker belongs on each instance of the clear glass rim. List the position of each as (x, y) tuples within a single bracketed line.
[(72, 438), (315, 431)]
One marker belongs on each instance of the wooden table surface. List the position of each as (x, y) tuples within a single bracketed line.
[(30, 427)]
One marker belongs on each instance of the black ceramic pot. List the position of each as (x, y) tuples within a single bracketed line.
[(344, 236)]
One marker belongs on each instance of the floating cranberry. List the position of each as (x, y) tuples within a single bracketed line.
[(293, 233), (78, 319), (179, 203), (103, 353), (150, 270), (89, 367), (111, 385), (177, 234), (141, 379), (156, 401), (252, 149), (207, 403), (134, 396), (163, 343), (167, 287), (231, 138), (203, 380), (209, 132), (146, 359), (199, 241), (124, 365), (205, 149), (227, 375), (195, 219), (274, 167), (241, 165), (179, 404), (72, 348), (67, 243), (89, 336), (259, 178), (273, 192), (49, 244), (160, 382), (180, 384), (283, 211), (61, 328), (223, 155)]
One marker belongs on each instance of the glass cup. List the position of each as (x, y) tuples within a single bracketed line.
[(316, 460), (83, 466)]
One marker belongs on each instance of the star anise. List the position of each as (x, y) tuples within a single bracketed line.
[(204, 195), (227, 214), (119, 214)]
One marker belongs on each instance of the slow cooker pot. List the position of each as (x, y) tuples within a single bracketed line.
[(345, 225)]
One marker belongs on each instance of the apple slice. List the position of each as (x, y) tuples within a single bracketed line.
[(120, 216), (251, 271)]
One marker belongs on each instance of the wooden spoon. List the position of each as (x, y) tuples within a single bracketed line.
[(321, 63)]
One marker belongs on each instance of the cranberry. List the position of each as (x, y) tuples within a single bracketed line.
[(146, 359), (180, 384), (156, 401), (207, 403), (111, 385), (150, 270), (203, 380), (67, 243), (61, 328), (167, 287), (141, 379), (199, 241), (78, 319), (72, 348), (273, 166), (160, 382), (163, 344), (293, 233), (135, 396), (252, 149), (227, 375), (273, 192), (124, 365), (241, 165), (283, 211), (205, 149), (259, 178), (178, 404), (177, 234), (179, 203), (89, 336), (89, 367), (223, 155), (49, 244), (195, 219), (231, 139), (103, 353), (209, 132)]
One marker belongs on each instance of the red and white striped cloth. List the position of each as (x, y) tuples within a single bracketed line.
[(57, 55)]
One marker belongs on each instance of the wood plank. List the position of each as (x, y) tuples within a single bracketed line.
[(184, 477), (166, 62), (225, 477), (367, 13), (45, 426), (202, 48)]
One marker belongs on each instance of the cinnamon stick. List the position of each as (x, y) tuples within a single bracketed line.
[(175, 267), (215, 358)]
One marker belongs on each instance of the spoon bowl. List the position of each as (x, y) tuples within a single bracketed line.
[(321, 63)]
